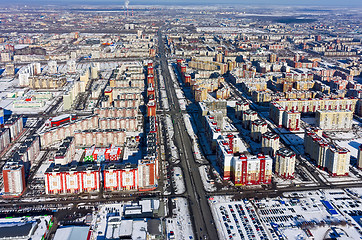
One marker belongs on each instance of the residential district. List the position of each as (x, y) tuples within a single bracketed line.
[(180, 123)]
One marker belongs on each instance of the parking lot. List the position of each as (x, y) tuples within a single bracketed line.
[(238, 220), (302, 215)]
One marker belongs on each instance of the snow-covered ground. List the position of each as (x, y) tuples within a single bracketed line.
[(351, 145), (179, 94), (180, 223), (351, 178), (173, 76), (183, 104), (171, 144), (314, 213), (161, 79), (189, 126), (178, 180), (350, 140), (164, 101), (208, 183), (169, 126)]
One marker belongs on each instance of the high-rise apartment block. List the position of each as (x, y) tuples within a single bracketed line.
[(285, 163), (270, 143), (334, 120), (337, 160), (258, 127), (252, 170), (291, 120), (14, 178)]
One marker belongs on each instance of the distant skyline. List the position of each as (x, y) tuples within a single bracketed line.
[(331, 3)]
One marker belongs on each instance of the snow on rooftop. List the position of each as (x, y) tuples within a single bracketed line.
[(71, 233)]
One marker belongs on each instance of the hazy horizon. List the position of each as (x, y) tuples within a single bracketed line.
[(325, 3)]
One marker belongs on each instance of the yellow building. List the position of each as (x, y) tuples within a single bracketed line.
[(334, 120), (337, 161)]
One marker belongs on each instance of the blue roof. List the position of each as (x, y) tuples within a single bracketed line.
[(329, 207)]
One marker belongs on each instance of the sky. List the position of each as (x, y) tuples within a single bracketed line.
[(347, 3)]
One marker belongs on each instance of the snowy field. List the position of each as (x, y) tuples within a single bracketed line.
[(302, 215)]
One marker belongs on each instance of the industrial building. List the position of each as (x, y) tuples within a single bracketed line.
[(60, 120)]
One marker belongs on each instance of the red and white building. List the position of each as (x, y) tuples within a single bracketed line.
[(14, 178), (120, 177), (74, 179), (285, 163), (151, 108), (252, 170), (227, 146), (60, 120), (147, 170)]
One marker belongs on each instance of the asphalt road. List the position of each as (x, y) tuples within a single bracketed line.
[(204, 227)]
